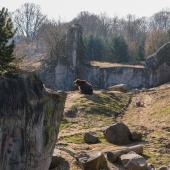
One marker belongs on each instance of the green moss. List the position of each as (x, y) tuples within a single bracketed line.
[(76, 139), (162, 114), (50, 128), (102, 103)]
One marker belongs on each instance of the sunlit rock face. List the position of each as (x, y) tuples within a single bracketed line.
[(30, 116), (158, 66), (65, 67), (73, 64)]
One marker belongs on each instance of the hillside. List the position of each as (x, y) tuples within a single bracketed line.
[(94, 113)]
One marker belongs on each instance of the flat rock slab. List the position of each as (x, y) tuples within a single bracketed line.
[(92, 161), (133, 161)]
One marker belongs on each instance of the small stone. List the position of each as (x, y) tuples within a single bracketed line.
[(163, 168), (91, 138), (93, 161)]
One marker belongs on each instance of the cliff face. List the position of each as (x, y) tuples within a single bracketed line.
[(64, 69), (29, 123), (105, 77), (61, 73)]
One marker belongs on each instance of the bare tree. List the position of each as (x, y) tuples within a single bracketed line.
[(52, 34), (28, 19), (160, 20), (155, 40)]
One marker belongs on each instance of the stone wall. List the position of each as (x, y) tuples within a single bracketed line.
[(30, 116), (105, 77)]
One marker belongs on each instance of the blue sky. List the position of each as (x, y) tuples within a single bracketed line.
[(68, 9)]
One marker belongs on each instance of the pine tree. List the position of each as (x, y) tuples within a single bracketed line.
[(119, 50), (6, 43)]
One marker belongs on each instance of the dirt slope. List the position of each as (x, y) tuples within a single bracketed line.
[(153, 120), (94, 113)]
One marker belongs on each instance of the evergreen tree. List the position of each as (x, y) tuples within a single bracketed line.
[(119, 50), (94, 48), (6, 44)]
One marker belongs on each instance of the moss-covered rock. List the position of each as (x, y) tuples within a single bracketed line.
[(30, 116)]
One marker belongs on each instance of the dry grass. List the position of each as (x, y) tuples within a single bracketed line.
[(153, 120)]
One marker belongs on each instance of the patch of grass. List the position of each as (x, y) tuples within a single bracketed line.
[(153, 149), (157, 159), (76, 139), (65, 124), (106, 103)]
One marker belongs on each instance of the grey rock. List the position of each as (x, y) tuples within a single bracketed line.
[(93, 161), (30, 116), (119, 87), (133, 161), (118, 134), (59, 163), (91, 138), (164, 168)]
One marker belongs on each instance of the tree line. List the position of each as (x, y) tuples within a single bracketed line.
[(114, 39)]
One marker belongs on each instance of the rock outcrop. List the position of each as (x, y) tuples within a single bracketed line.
[(73, 64), (65, 68), (91, 138), (30, 116)]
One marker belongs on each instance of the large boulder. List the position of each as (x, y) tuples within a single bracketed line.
[(133, 161), (30, 116), (118, 134)]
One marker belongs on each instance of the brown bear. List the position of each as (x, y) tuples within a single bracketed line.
[(84, 86)]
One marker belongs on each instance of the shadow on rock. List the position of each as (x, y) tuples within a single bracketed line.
[(59, 163)]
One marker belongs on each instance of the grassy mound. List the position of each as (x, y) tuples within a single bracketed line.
[(106, 103)]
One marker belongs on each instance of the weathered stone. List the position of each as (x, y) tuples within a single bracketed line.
[(58, 163), (91, 138), (30, 116), (70, 113), (114, 156), (93, 161), (66, 67), (133, 161), (119, 87), (118, 134)]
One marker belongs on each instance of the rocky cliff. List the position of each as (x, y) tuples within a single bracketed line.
[(65, 67), (61, 73), (30, 117)]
